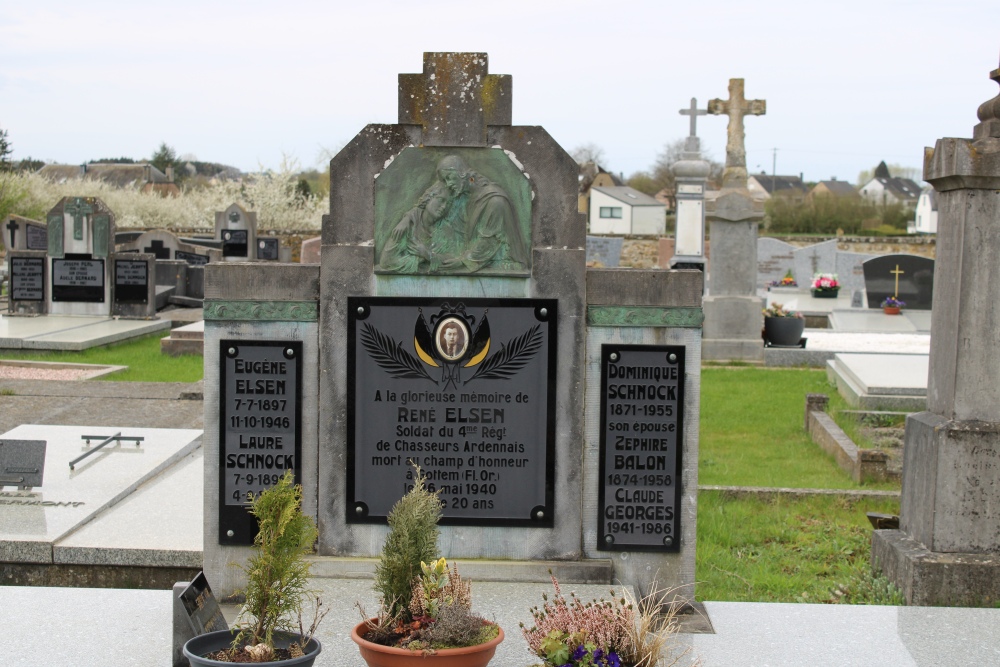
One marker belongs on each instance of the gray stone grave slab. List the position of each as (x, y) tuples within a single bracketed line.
[(850, 272), (875, 321), (909, 277), (774, 259), (881, 381), (605, 251), (817, 258), (310, 251), (32, 521)]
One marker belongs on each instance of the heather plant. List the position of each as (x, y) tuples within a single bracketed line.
[(615, 632)]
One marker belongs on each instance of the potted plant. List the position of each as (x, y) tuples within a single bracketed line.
[(825, 286), (618, 632), (787, 281), (426, 608), (783, 327), (277, 575), (892, 306)]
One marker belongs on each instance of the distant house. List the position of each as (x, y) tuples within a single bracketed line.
[(142, 177), (885, 189), (764, 186), (625, 210), (834, 188), (927, 212), (591, 175)]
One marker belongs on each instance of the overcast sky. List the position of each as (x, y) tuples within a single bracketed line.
[(243, 83)]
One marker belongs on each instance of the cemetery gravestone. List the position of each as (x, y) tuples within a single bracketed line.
[(268, 249), (22, 463), (774, 260), (691, 174), (945, 550), (310, 251), (813, 259), (237, 230), (908, 277), (604, 251), (452, 320), (134, 286), (20, 233), (81, 233), (851, 274), (733, 319)]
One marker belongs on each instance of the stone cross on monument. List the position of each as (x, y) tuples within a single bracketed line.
[(694, 112), (13, 227), (736, 107), (455, 99), (78, 209)]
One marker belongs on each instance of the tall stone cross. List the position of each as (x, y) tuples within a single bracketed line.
[(455, 99), (78, 208), (13, 227), (736, 107), (694, 112)]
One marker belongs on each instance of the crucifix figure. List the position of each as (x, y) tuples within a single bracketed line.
[(694, 112), (79, 209), (13, 227), (898, 272), (737, 106)]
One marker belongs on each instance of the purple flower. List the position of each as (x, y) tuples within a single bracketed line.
[(579, 653), (598, 654), (613, 660)]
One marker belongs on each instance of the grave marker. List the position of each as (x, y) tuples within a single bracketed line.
[(908, 277), (201, 607), (27, 278), (268, 249), (690, 173), (81, 233), (22, 463), (236, 229)]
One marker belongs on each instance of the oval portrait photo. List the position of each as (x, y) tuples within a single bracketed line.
[(452, 339)]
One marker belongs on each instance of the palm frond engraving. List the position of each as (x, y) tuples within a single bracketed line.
[(390, 355), (512, 357)]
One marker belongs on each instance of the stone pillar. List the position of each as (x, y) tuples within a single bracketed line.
[(733, 318), (947, 549)]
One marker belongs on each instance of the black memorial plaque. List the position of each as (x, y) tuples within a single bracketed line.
[(234, 243), (260, 419), (37, 237), (27, 279), (76, 279), (202, 608), (908, 277), (267, 249), (191, 257), (465, 388), (131, 281), (642, 401)]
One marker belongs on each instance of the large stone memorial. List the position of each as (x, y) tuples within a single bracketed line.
[(452, 323), (81, 232), (236, 229), (947, 548)]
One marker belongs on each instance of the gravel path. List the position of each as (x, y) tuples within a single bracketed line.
[(35, 373)]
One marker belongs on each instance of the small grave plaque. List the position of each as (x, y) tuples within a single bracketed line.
[(78, 280), (267, 248), (642, 400), (191, 257), (465, 389), (27, 278), (37, 237), (22, 463), (131, 281), (201, 607), (234, 243), (260, 427)]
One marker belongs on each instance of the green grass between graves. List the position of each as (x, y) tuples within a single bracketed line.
[(778, 549), (142, 356)]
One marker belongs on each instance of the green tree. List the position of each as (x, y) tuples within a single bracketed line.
[(643, 182), (165, 156), (5, 150)]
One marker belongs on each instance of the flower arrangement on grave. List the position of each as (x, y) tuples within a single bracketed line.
[(787, 281), (426, 607), (277, 575), (892, 302), (778, 310), (825, 281), (618, 632)]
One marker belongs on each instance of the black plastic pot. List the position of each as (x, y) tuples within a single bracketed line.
[(785, 331), (210, 642)]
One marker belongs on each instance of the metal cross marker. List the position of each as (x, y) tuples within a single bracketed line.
[(13, 227), (117, 438), (694, 112), (79, 209), (736, 107), (898, 272)]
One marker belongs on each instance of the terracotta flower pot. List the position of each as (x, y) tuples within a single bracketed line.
[(891, 310), (377, 655)]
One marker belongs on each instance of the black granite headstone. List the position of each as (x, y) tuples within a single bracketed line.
[(234, 243), (642, 401), (191, 258), (201, 607), (464, 389), (131, 281), (27, 279), (267, 248), (908, 277), (260, 420), (78, 279)]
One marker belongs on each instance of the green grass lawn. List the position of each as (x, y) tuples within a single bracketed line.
[(142, 356)]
